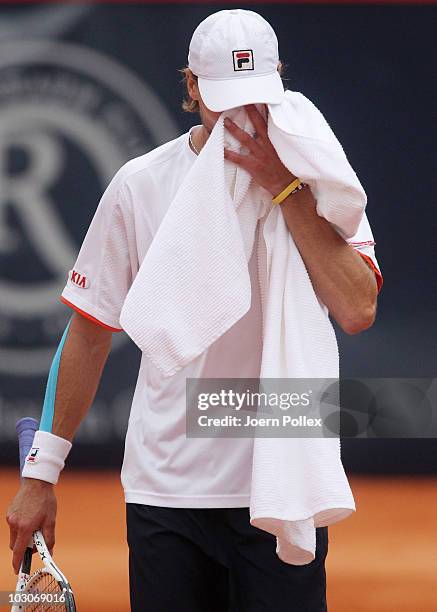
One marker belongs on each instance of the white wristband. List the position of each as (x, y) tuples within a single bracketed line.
[(46, 458)]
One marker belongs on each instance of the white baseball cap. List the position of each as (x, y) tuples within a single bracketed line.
[(234, 54)]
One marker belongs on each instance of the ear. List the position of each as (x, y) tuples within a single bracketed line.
[(192, 87)]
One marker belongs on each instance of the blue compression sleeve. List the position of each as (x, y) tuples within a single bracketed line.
[(48, 409)]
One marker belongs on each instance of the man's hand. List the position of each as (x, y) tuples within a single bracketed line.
[(340, 277), (262, 162), (34, 507)]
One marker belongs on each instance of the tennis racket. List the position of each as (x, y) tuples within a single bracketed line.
[(46, 589)]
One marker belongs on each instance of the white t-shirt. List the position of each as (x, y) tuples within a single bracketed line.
[(161, 466)]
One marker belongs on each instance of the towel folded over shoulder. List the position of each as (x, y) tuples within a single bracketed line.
[(194, 284)]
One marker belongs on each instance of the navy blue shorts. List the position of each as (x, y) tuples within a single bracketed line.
[(213, 560)]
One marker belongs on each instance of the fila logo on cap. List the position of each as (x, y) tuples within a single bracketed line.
[(243, 59)]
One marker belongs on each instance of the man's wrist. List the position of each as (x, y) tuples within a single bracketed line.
[(46, 458), (298, 199), (281, 184), (36, 483)]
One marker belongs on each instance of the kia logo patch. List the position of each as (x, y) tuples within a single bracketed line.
[(243, 59), (80, 280)]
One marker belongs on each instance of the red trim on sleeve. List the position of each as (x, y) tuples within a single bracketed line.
[(369, 260), (88, 316), (365, 243)]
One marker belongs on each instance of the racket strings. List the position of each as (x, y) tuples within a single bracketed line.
[(44, 583)]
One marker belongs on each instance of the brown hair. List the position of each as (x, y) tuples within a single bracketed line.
[(192, 106)]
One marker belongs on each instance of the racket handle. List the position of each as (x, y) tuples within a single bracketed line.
[(26, 428)]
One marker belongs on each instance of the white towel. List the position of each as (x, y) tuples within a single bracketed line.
[(194, 284)]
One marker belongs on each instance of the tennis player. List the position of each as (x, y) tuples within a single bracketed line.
[(191, 546)]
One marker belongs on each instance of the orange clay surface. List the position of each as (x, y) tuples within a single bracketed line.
[(382, 559)]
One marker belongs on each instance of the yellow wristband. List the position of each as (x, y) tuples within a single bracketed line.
[(286, 192)]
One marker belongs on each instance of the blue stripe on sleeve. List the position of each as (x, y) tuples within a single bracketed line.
[(48, 409)]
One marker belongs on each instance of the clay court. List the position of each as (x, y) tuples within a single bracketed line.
[(382, 559)]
